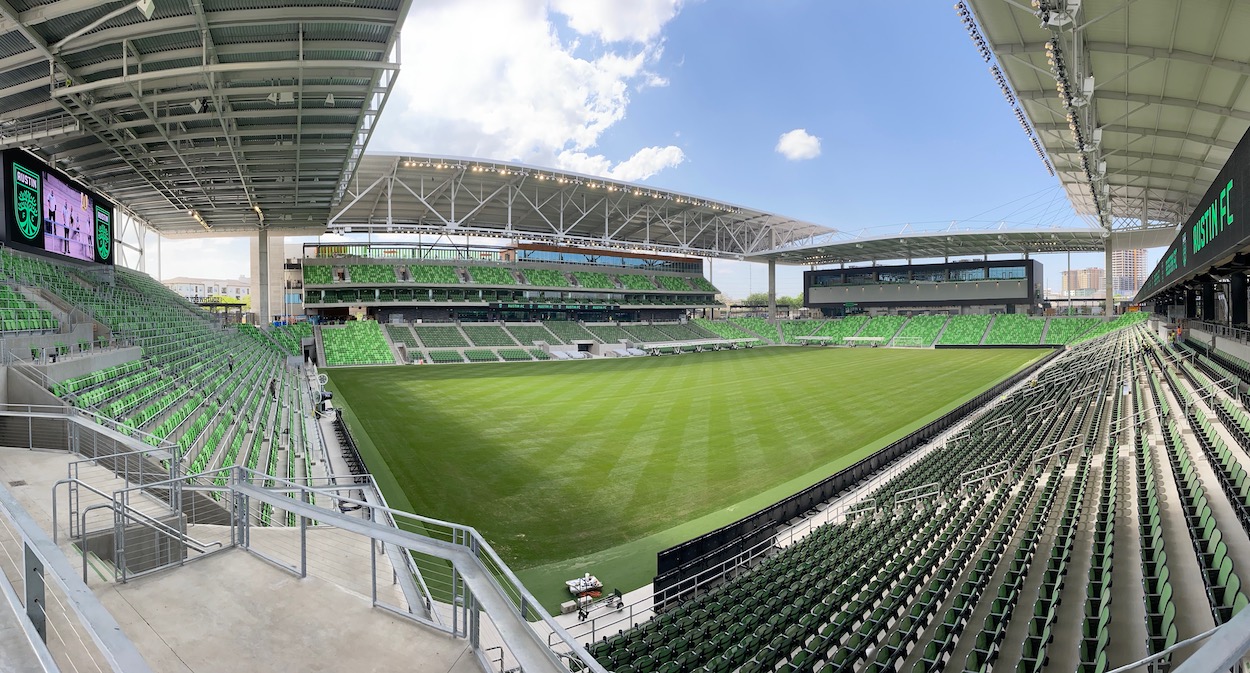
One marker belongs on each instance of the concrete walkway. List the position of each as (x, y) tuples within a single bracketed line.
[(234, 612)]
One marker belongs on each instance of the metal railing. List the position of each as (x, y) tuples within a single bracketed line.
[(463, 588), (1234, 333), (66, 626)]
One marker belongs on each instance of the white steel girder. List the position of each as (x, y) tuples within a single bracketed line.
[(524, 204)]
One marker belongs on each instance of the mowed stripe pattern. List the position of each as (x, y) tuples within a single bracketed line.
[(552, 461)]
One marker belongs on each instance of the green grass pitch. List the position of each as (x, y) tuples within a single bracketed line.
[(571, 467)]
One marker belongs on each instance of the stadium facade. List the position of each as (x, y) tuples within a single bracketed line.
[(178, 493)]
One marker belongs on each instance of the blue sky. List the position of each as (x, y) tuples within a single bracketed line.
[(694, 96)]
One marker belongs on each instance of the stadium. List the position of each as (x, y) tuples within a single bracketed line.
[(503, 419)]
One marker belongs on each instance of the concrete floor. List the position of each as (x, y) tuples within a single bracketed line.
[(234, 612)]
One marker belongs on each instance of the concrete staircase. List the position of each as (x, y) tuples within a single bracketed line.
[(988, 328), (940, 331)]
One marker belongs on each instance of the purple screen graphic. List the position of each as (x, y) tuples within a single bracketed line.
[(68, 221)]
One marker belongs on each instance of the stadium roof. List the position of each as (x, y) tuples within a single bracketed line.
[(874, 245), (199, 114), (1138, 104), (455, 196)]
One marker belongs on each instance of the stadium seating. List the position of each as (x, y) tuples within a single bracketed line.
[(538, 353), (610, 334), (1067, 330), (318, 274), (724, 329), (287, 338), (491, 275), (440, 336), (633, 281), (791, 330), (546, 277), (1015, 329), (1103, 328), (593, 280), (645, 333), (760, 326), (445, 356), (371, 273), (836, 330), (488, 335), (481, 355), (568, 332), (672, 283), (687, 332), (431, 274), (964, 330), (526, 335), (921, 330), (515, 355), (883, 327), (402, 335), (196, 385), (972, 580), (702, 284), (358, 342)]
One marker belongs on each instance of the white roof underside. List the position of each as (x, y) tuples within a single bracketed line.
[(843, 248), (208, 107), (457, 196), (1169, 100)]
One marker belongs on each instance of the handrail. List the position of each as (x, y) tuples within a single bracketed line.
[(117, 649), (462, 536), (1166, 652), (71, 412), (197, 545), (37, 645)]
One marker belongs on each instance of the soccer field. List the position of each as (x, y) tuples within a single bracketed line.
[(594, 466)]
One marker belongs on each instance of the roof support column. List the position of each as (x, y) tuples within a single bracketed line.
[(1237, 299), (1191, 304), (1208, 301), (263, 315), (1109, 309), (772, 291)]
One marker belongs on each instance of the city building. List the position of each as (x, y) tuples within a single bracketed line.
[(1128, 271), (199, 289), (1083, 282)]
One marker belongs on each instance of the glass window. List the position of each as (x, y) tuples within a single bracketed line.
[(864, 277), (1007, 272), (977, 273)]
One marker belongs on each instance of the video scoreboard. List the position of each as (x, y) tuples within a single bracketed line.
[(47, 212)]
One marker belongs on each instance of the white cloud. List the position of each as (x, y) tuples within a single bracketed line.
[(493, 79), (618, 20), (646, 162), (798, 145)]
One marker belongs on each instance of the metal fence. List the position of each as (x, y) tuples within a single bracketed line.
[(439, 574), (66, 626)]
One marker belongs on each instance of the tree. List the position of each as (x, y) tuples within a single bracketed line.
[(756, 299)]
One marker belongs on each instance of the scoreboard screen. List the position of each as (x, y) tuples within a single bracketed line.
[(46, 212)]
